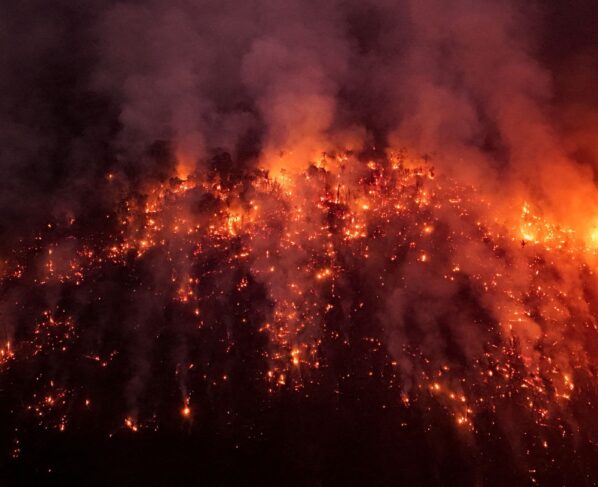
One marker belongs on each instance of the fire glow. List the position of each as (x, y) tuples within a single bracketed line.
[(532, 335), (336, 241)]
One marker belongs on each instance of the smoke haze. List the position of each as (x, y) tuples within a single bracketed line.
[(207, 204)]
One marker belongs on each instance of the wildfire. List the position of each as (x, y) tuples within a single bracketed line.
[(186, 410), (129, 423), (6, 353), (311, 262)]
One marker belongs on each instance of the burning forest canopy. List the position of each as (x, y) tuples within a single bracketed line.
[(299, 243)]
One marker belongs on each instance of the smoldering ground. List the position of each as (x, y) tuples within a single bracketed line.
[(104, 102)]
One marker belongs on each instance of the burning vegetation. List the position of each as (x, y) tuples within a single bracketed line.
[(350, 242), (352, 275)]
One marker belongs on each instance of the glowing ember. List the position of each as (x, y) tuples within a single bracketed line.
[(352, 241), (404, 221), (129, 423)]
